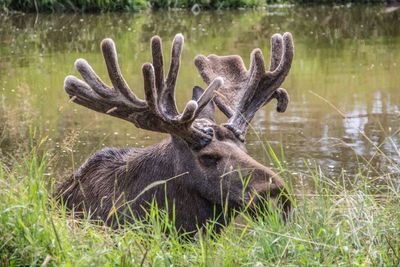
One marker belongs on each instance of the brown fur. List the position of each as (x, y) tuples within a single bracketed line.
[(200, 171), (112, 177)]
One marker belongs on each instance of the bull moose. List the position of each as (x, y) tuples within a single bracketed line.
[(201, 165)]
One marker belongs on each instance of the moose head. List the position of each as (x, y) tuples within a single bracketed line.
[(202, 169)]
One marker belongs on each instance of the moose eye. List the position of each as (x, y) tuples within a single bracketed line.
[(209, 159)]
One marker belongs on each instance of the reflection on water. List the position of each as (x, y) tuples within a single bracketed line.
[(344, 84)]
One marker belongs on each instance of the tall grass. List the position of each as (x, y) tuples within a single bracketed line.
[(337, 221), (135, 5), (326, 2), (73, 5), (119, 5)]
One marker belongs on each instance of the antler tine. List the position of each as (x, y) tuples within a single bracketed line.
[(193, 107), (166, 89), (276, 51), (246, 91), (227, 110), (114, 72), (92, 79), (150, 90), (208, 94), (286, 58), (158, 62), (158, 111), (88, 98), (257, 70), (281, 56), (177, 45)]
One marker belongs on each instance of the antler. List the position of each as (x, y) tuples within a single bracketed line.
[(158, 112), (246, 91)]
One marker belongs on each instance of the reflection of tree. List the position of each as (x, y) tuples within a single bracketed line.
[(28, 34), (317, 26), (326, 26), (195, 28)]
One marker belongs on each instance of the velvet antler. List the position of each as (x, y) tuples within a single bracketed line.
[(246, 91), (158, 112)]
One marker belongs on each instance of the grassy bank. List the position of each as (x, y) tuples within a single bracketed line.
[(337, 221), (135, 5), (120, 5)]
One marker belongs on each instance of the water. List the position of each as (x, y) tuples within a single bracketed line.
[(344, 83)]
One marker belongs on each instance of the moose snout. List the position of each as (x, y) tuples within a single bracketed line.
[(268, 192)]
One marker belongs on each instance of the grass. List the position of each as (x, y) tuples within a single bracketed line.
[(135, 5), (337, 221), (325, 2), (120, 5), (73, 5)]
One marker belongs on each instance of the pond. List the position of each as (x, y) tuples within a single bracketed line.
[(344, 83)]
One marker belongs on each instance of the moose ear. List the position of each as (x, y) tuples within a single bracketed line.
[(208, 111)]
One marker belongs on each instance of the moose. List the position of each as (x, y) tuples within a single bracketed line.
[(201, 167)]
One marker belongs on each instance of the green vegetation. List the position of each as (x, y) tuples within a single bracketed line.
[(73, 5), (205, 4), (119, 5), (135, 5), (347, 220), (327, 2)]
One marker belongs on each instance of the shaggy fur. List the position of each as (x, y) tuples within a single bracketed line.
[(112, 179), (203, 169)]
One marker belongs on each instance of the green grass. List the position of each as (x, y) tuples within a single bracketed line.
[(73, 5), (119, 5), (205, 4), (325, 2), (337, 221), (135, 5)]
